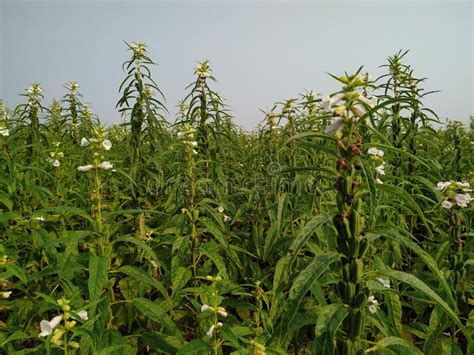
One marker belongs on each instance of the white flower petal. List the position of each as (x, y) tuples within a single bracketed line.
[(85, 167), (84, 142), (83, 315), (107, 144), (106, 165), (334, 127)]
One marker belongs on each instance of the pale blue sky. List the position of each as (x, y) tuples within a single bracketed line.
[(260, 51)]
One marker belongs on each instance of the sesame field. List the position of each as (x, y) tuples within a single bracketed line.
[(341, 224)]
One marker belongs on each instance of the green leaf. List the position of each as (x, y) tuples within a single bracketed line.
[(421, 286), (329, 320), (98, 268), (157, 313), (196, 346), (396, 342), (142, 276)]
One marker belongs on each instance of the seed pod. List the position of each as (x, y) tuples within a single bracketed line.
[(357, 325), (354, 247), (342, 246), (346, 273), (347, 228), (357, 268), (350, 290), (364, 244), (360, 299), (348, 185)]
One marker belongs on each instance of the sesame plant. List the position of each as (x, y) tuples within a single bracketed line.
[(341, 224)]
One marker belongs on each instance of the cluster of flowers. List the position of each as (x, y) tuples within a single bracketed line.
[(98, 144), (455, 193), (327, 103), (55, 155), (220, 209), (4, 131), (5, 294), (187, 136), (218, 311), (377, 155), (51, 327), (203, 70), (35, 94), (372, 302)]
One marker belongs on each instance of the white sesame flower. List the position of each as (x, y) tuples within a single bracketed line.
[(48, 327), (85, 142), (85, 167), (376, 152), (442, 185), (56, 163), (380, 169), (181, 134), (462, 200), (221, 311), (5, 132), (6, 294), (195, 151), (358, 110), (194, 144), (334, 127), (106, 165), (220, 209), (372, 102), (328, 101), (107, 144), (373, 304), (227, 218), (83, 315), (463, 184), (447, 204), (206, 307), (39, 218), (378, 181), (211, 331), (385, 283)]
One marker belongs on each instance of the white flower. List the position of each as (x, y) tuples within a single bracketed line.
[(5, 132), (106, 165), (220, 209), (328, 101), (447, 204), (56, 163), (373, 304), (85, 142), (107, 144), (6, 294), (195, 151), (48, 327), (385, 283), (194, 144), (376, 152), (39, 218), (85, 167), (358, 110), (463, 184), (442, 185), (213, 328), (462, 200), (380, 169), (181, 134), (227, 218), (222, 311), (378, 181), (83, 315), (334, 127), (206, 307), (372, 102)]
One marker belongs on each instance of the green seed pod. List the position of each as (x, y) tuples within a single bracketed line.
[(342, 246), (347, 185), (347, 228), (364, 244), (357, 268), (346, 273), (354, 220), (354, 247), (360, 299), (357, 325), (350, 290)]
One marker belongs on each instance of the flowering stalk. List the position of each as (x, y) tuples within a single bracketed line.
[(351, 243)]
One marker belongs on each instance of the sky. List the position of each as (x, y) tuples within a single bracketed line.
[(260, 52)]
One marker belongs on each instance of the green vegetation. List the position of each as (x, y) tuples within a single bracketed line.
[(341, 225)]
